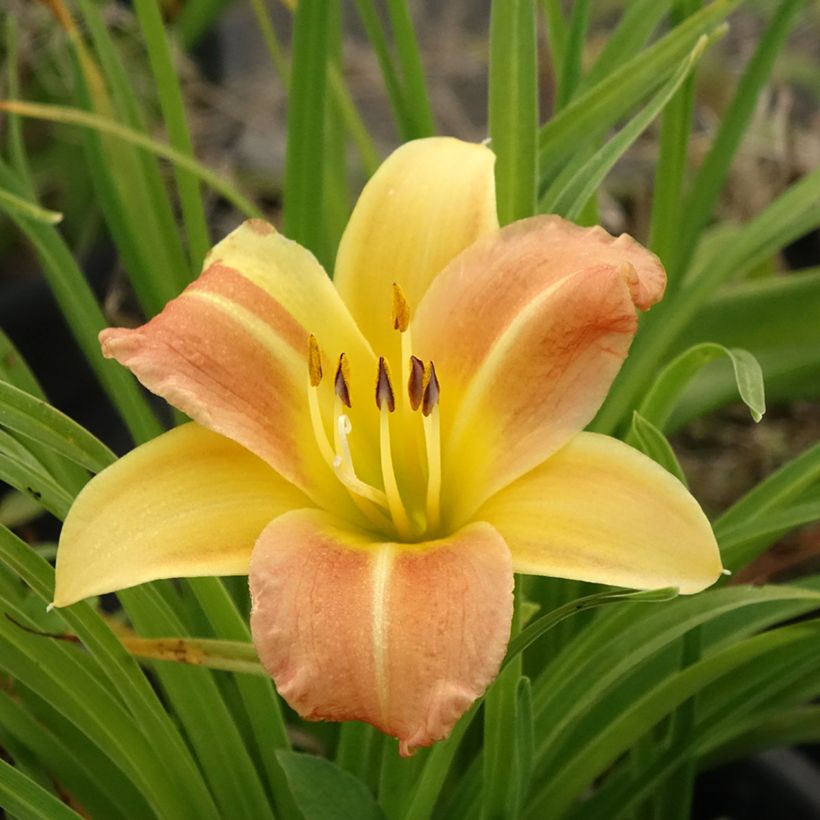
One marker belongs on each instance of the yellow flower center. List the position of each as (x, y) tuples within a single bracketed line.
[(383, 506)]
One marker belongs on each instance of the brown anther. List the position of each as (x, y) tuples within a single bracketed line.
[(314, 361), (415, 384), (341, 381), (401, 310), (431, 391), (384, 390)]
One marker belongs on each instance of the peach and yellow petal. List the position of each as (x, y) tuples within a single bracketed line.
[(188, 503), (429, 200), (230, 352), (404, 637), (601, 511), (526, 345)]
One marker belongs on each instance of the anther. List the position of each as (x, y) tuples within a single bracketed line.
[(314, 361), (384, 390), (401, 310), (415, 383), (431, 391), (341, 381)]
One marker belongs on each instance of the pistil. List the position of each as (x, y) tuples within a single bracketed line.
[(386, 402)]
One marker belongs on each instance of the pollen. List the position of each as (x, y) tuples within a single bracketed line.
[(341, 382), (401, 310), (415, 382), (431, 391), (314, 361), (384, 389)]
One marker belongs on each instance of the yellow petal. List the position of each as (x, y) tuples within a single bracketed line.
[(600, 511), (402, 636), (231, 351), (188, 503), (429, 200)]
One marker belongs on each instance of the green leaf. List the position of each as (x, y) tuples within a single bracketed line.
[(513, 106), (306, 127), (654, 443), (661, 398), (640, 19), (418, 103), (22, 797), (324, 791), (105, 125), (576, 771), (84, 317), (166, 82), (573, 189), (593, 112), (46, 425), (673, 151), (29, 210), (176, 784), (778, 489), (696, 209), (572, 62)]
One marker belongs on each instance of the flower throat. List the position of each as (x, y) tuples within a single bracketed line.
[(383, 507)]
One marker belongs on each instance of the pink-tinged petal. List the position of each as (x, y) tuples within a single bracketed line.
[(188, 503), (404, 637), (527, 330), (230, 352), (429, 200), (600, 511)]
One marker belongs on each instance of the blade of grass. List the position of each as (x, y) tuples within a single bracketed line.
[(29, 210), (22, 797), (83, 315), (173, 112), (124, 676), (575, 772), (395, 92), (695, 211), (306, 127), (572, 66), (16, 148), (673, 151), (40, 422), (570, 199), (557, 35), (592, 112), (85, 119), (127, 106), (639, 20), (416, 98), (513, 106)]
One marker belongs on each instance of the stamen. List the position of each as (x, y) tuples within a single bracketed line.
[(385, 400), (384, 390), (314, 379), (432, 442), (415, 382), (314, 361), (401, 310), (341, 381), (431, 391), (401, 322)]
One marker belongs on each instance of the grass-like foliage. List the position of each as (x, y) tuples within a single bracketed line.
[(609, 703)]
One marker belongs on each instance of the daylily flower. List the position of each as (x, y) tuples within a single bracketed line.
[(382, 451)]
